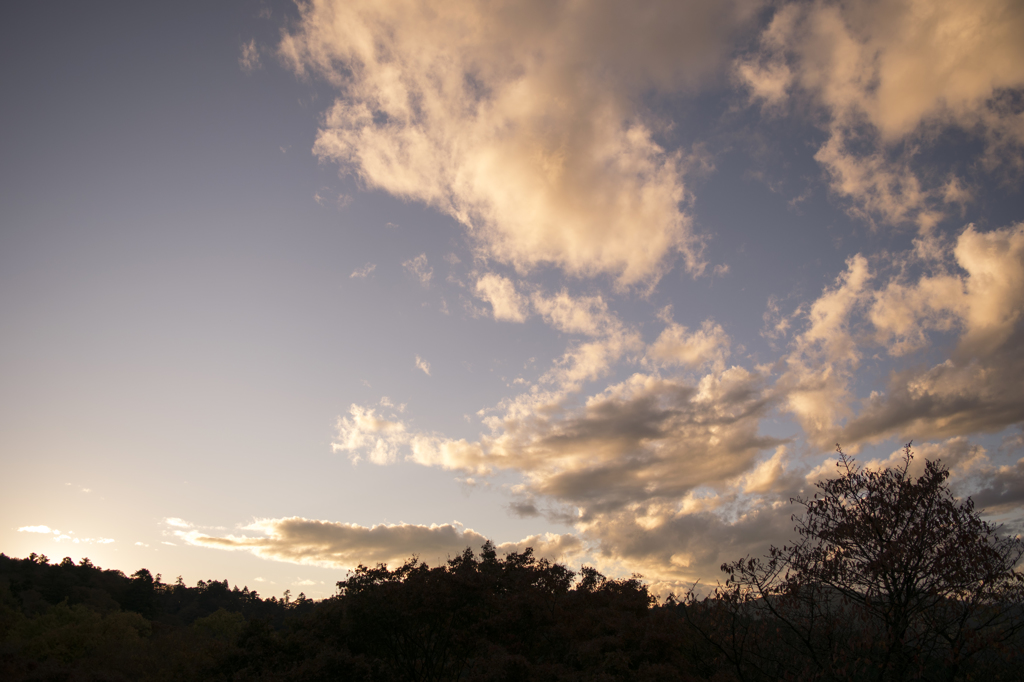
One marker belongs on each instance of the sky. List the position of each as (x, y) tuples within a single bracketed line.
[(287, 288)]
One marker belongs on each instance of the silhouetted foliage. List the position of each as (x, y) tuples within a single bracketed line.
[(891, 578), (486, 618), (516, 618)]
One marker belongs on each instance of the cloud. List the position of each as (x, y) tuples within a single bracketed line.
[(1004, 489), (523, 121), (768, 82), (879, 185), (948, 399), (506, 303), (418, 266), (676, 346), (333, 544), (62, 537), (250, 58), (587, 315), (973, 288), (994, 488), (590, 360), (674, 545), (578, 315), (340, 202), (776, 325), (977, 388), (958, 454), (364, 431), (422, 364), (679, 549), (892, 72), (814, 385), (768, 475), (363, 272), (647, 440)]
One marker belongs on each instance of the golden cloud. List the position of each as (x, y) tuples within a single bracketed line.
[(522, 120)]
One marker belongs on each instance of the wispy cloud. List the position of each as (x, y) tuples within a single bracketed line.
[(325, 197), (250, 57), (67, 536), (423, 365), (363, 272), (37, 529), (327, 543), (419, 268)]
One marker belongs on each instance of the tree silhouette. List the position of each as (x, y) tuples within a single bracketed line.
[(891, 578)]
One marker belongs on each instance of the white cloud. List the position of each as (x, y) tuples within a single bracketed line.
[(958, 455), (708, 345), (363, 431), (418, 266), (37, 529), (815, 384), (776, 325), (888, 72), (767, 82), (423, 365), (506, 303), (579, 315), (974, 287), (521, 120), (766, 476), (590, 360), (587, 315), (977, 388), (363, 272)]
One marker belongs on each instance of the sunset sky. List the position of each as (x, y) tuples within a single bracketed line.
[(286, 288)]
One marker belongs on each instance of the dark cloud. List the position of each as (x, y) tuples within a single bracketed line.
[(1004, 491), (951, 399), (329, 543), (647, 438)]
